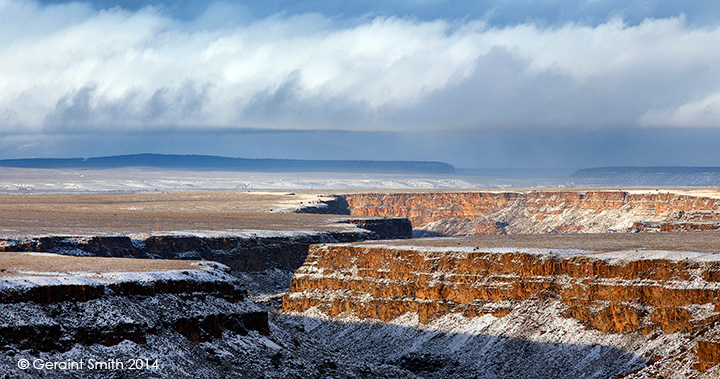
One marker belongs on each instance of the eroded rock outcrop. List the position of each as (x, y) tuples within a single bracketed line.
[(529, 212), (242, 252), (640, 295), (57, 312), (176, 318)]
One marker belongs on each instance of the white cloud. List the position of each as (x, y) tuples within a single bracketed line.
[(72, 68), (704, 113)]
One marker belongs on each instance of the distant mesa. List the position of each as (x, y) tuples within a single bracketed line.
[(210, 162)]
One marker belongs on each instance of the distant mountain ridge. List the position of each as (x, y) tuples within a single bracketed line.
[(211, 162)]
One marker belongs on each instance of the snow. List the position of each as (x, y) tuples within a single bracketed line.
[(19, 180), (250, 233), (642, 254), (27, 279), (467, 249), (534, 341), (613, 257), (133, 180)]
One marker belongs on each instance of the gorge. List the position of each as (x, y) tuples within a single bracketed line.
[(539, 284)]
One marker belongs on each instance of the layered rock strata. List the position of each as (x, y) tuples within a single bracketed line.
[(55, 311), (242, 252), (177, 318), (528, 212), (641, 294)]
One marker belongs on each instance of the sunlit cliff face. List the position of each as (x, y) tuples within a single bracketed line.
[(571, 299), (537, 211)]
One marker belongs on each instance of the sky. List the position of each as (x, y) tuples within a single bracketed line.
[(479, 84)]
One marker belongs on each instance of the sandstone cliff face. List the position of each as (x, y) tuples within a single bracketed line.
[(640, 297), (468, 213)]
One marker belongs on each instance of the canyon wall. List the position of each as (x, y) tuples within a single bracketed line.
[(242, 252), (531, 212), (627, 303), (162, 316)]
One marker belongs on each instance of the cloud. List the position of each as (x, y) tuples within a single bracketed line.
[(71, 68), (704, 113)]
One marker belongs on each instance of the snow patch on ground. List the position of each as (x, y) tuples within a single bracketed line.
[(641, 254), (28, 279), (534, 341), (613, 257)]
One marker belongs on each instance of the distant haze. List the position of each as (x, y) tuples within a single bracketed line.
[(215, 163), (565, 150)]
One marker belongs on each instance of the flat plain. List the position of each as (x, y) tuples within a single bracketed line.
[(156, 212)]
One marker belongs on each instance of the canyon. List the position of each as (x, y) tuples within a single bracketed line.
[(543, 211), (163, 297), (540, 284), (592, 277), (621, 313), (65, 309)]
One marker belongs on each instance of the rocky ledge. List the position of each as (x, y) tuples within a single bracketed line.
[(241, 251), (533, 212), (67, 309), (620, 313), (52, 303)]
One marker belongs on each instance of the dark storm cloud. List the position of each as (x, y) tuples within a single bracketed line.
[(84, 109)]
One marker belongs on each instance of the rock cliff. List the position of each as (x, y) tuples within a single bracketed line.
[(242, 252), (528, 212), (627, 300), (93, 309), (178, 318)]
